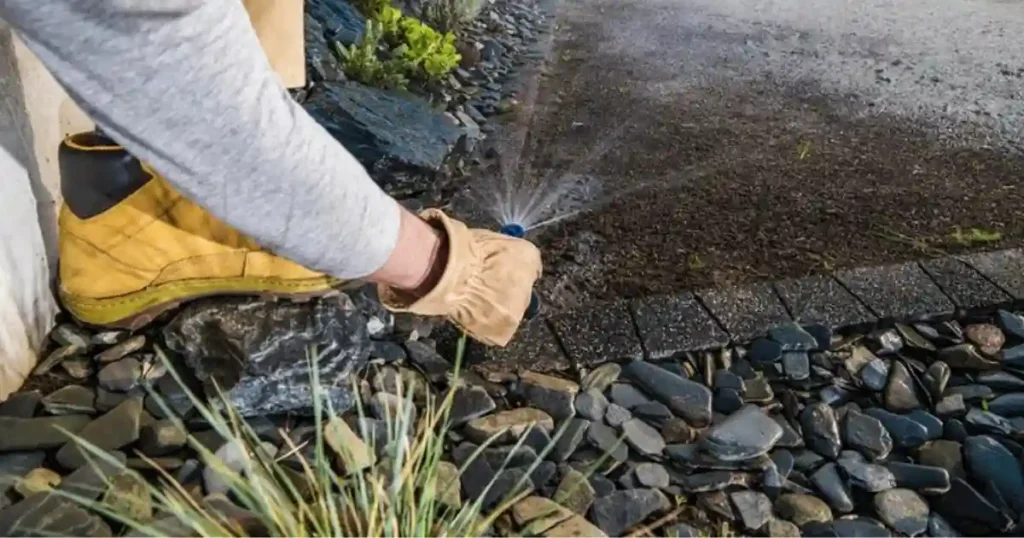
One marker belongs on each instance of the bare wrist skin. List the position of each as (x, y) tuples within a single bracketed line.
[(418, 260)]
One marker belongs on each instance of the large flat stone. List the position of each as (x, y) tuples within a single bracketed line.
[(1004, 267), (821, 299), (746, 312), (963, 284), (900, 291), (669, 324), (598, 334), (533, 348)]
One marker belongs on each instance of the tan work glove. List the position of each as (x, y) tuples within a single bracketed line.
[(485, 288)]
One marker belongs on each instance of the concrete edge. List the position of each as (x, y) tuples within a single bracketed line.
[(868, 298)]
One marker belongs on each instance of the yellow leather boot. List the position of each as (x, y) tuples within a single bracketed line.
[(131, 247)]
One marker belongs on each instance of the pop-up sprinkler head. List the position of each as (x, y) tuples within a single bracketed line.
[(517, 230)]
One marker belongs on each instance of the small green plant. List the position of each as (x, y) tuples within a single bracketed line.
[(428, 51), (975, 236), (450, 15), (362, 63)]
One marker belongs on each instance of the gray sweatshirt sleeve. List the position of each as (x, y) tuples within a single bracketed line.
[(185, 86)]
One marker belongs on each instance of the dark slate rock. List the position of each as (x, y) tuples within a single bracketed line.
[(506, 484), (790, 437), (1005, 268), (255, 351), (688, 399), (1011, 323), (867, 435), (1008, 405), (796, 365), (606, 440), (677, 431), (652, 475), (40, 432), (755, 508), (783, 460), (903, 510), (49, 514), (600, 378), (727, 401), (508, 457), (340, 21), (765, 351), (936, 378), (990, 462), (15, 465), (711, 481), (972, 392), (537, 438), (886, 342), (70, 400), (970, 511), (900, 392), (690, 457), (832, 488), (746, 312), (923, 478), (932, 424), (427, 360), (989, 422), (897, 291), (321, 62), (120, 376), (591, 405), (644, 439), (602, 486), (955, 430), (724, 379), (616, 415), (654, 413), (117, 428), (905, 432), (821, 430), (874, 374), (399, 139), (469, 402), (21, 404), (945, 454), (820, 299), (623, 510), (571, 437), (758, 391), (1013, 356), (534, 348), (627, 396), (682, 530), (553, 395), (913, 338), (938, 527), (952, 405), (746, 434), (802, 509), (967, 357), (867, 476), (793, 337), (91, 481), (672, 324), (599, 334), (1001, 380), (963, 284), (859, 527)]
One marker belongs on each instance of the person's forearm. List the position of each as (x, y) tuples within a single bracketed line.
[(185, 86)]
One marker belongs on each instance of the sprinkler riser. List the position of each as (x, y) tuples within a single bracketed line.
[(518, 231)]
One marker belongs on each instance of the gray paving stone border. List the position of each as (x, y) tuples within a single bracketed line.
[(660, 327)]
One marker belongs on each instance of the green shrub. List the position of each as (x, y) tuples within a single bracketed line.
[(396, 49), (429, 54), (450, 15), (361, 61)]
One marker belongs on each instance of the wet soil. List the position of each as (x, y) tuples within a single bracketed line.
[(753, 179)]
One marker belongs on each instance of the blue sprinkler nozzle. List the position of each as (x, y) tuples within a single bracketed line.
[(517, 230)]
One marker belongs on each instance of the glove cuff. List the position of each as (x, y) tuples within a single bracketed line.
[(435, 302)]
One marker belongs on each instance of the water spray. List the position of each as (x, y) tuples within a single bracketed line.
[(518, 231)]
